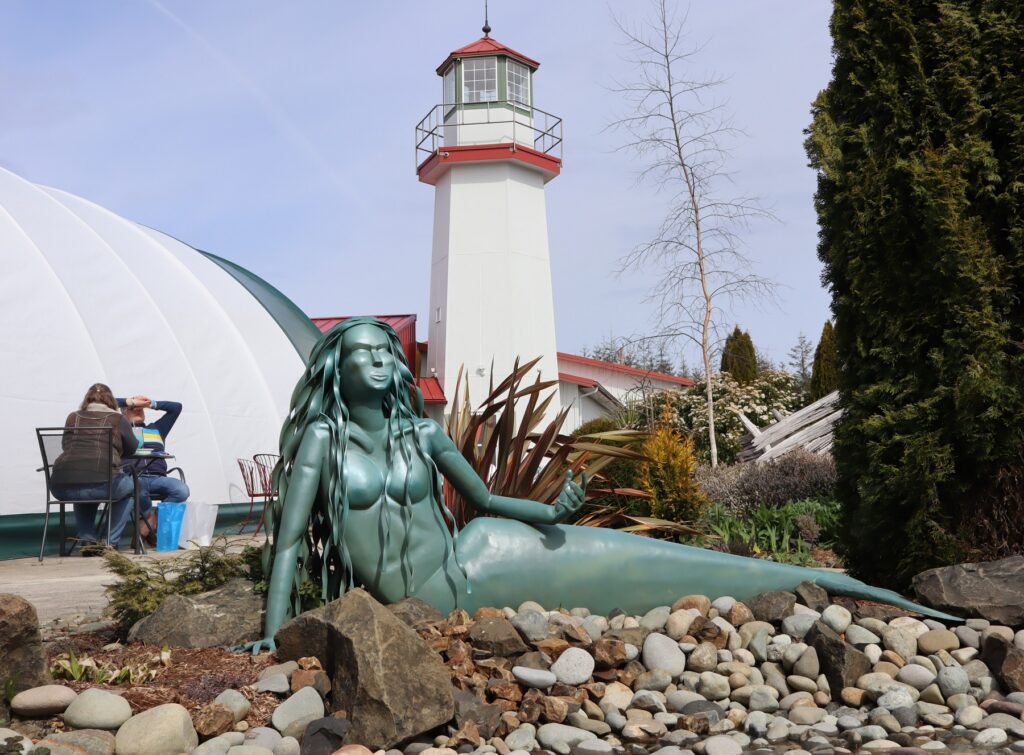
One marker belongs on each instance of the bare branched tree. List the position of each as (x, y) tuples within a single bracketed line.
[(680, 132)]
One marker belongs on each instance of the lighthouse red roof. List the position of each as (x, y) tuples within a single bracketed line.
[(486, 46)]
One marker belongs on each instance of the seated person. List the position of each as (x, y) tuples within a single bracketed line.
[(81, 471), (154, 482)]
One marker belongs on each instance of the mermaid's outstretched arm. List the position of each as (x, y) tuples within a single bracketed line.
[(453, 465), (303, 484)]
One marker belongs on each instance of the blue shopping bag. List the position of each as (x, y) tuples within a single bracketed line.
[(168, 525)]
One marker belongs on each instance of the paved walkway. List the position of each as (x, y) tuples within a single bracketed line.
[(61, 588)]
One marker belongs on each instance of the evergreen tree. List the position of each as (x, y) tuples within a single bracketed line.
[(918, 141), (825, 372), (739, 358), (800, 359)]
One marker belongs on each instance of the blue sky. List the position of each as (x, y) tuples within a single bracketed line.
[(280, 135)]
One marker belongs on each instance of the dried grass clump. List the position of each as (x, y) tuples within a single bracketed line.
[(797, 476)]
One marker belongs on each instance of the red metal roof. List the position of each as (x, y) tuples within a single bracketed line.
[(625, 369), (404, 325), (565, 377), (431, 389), (486, 46)]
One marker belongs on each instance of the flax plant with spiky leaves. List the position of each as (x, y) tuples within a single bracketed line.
[(517, 456)]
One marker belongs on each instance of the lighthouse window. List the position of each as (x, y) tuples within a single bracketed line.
[(480, 80), (518, 83), (449, 86)]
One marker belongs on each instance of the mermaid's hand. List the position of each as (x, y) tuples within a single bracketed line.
[(571, 498), (267, 643)]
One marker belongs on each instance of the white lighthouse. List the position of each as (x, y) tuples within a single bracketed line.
[(488, 152)]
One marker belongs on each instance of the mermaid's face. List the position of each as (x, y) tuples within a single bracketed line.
[(367, 366)]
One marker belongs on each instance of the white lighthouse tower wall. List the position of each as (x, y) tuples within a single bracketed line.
[(490, 296)]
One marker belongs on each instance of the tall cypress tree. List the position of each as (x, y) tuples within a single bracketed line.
[(825, 370), (918, 145), (739, 357)]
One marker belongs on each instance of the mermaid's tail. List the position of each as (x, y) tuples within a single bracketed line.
[(841, 584)]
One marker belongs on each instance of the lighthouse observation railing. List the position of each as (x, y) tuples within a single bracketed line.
[(498, 122)]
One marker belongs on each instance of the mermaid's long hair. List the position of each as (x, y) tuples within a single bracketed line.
[(324, 559)]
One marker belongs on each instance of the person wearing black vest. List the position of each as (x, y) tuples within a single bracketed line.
[(80, 472)]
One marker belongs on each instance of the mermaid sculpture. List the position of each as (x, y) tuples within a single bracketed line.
[(360, 502)]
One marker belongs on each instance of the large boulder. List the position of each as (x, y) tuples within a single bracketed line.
[(388, 682), (230, 615), (992, 590), (22, 659)]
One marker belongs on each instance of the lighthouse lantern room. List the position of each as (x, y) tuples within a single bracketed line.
[(488, 151)]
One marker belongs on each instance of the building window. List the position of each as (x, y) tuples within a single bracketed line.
[(480, 80), (449, 86), (518, 83)]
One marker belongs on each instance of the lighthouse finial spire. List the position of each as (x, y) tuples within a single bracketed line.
[(487, 27)]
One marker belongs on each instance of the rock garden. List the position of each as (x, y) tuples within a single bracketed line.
[(780, 672)]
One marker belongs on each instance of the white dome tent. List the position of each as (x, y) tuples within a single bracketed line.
[(87, 296)]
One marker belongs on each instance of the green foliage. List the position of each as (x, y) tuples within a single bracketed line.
[(144, 584), (825, 371), (784, 534), (917, 142), (739, 357), (770, 390), (69, 666), (10, 689), (667, 474), (796, 476)]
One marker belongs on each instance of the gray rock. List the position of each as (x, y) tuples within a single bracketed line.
[(235, 701), (704, 657), (532, 677), (230, 615), (43, 702), (836, 618), (414, 612), (594, 747), (812, 596), (574, 666), (288, 746), (723, 604), (970, 638), (293, 715), (993, 590), (663, 652), (560, 738), (858, 635), (655, 619), (275, 683), (496, 636), (249, 750), (898, 697), (95, 708), (841, 663), (386, 679), (595, 626), (22, 658), (916, 676), (713, 686), (677, 700), (722, 745), (531, 625), (772, 606), (991, 738), (25, 742), (163, 730), (287, 668), (808, 664), (326, 735), (761, 699), (522, 738), (1005, 721), (216, 746), (80, 742), (953, 680), (653, 680), (262, 736), (901, 642), (648, 700)]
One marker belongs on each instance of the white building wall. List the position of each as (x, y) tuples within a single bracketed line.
[(491, 276), (623, 385)]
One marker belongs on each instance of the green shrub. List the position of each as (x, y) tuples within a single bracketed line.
[(144, 584), (743, 487), (785, 534), (739, 357)]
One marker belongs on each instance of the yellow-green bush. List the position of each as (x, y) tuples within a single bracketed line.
[(668, 476)]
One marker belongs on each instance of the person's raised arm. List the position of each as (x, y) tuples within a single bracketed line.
[(303, 484), (171, 410), (453, 465)]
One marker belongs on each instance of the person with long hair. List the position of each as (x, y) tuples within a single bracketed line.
[(85, 464), (359, 502)]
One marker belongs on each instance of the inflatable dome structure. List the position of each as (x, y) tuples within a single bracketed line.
[(87, 296)]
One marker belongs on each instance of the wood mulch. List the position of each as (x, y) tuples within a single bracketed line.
[(194, 676)]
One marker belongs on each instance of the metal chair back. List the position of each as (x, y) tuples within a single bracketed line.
[(253, 479), (266, 464), (53, 441)]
